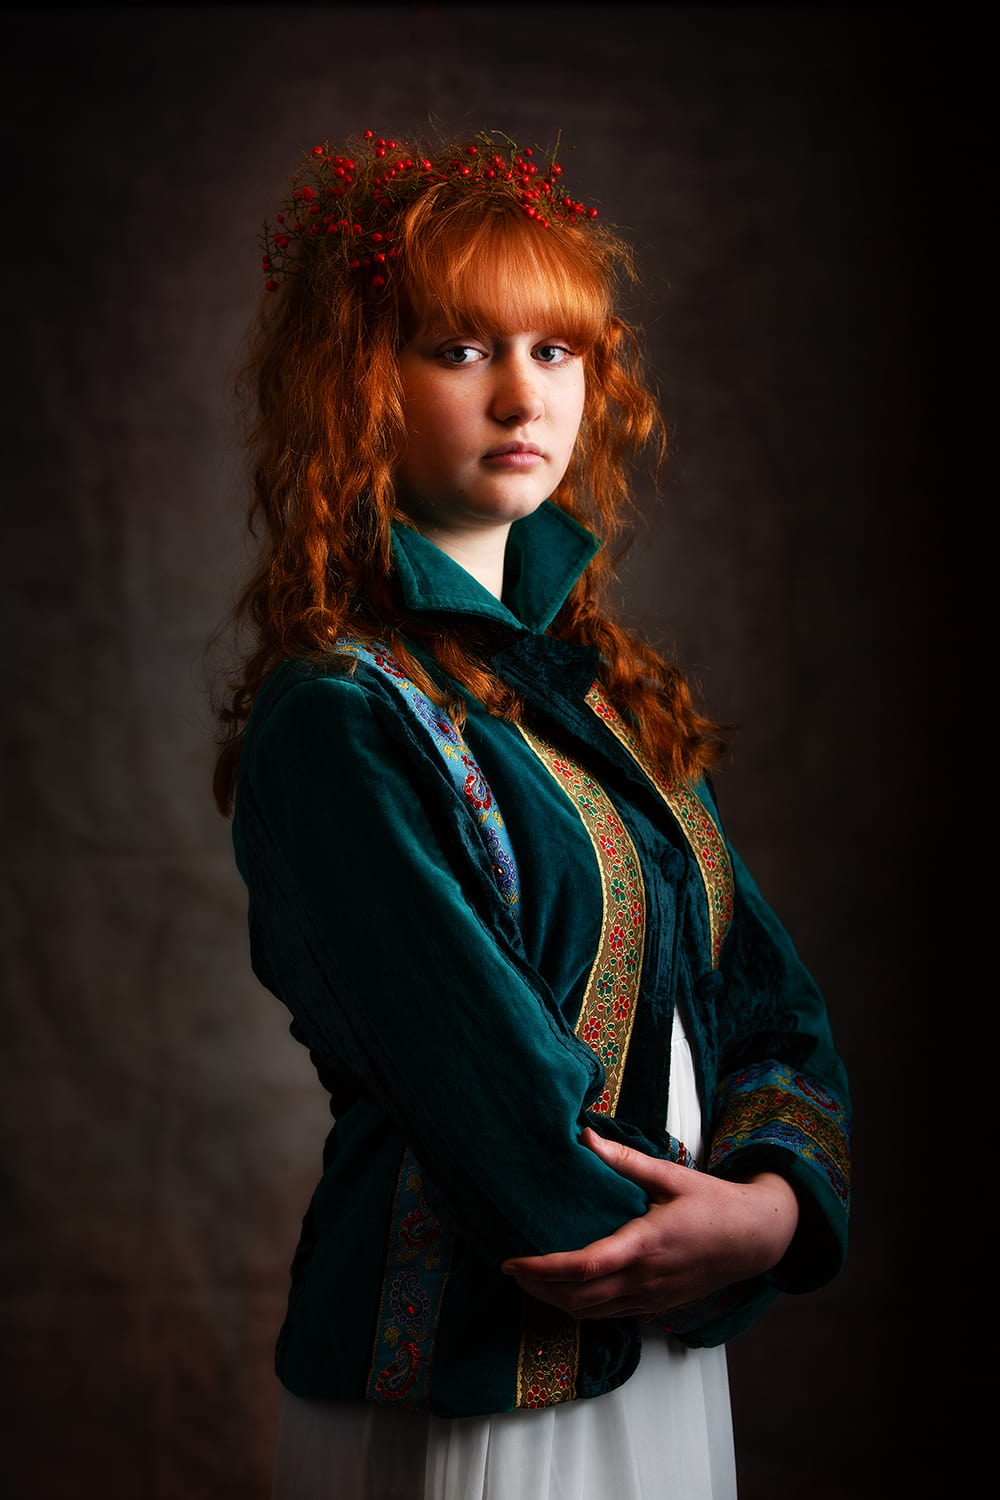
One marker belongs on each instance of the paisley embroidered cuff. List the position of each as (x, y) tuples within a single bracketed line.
[(773, 1118)]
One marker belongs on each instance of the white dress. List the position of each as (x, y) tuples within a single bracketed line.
[(666, 1434)]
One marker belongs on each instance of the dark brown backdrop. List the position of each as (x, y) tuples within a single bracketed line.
[(161, 1133)]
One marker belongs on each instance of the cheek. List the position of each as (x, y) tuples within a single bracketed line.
[(575, 408), (433, 416)]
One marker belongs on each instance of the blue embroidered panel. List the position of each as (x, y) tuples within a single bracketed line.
[(771, 1104), (462, 768), (419, 1248)]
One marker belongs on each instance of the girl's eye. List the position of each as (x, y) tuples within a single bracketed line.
[(553, 354), (462, 354)]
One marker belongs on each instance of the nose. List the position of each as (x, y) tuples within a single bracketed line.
[(516, 397)]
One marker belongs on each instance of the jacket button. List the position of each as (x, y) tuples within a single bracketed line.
[(672, 865)]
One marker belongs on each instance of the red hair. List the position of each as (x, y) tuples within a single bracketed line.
[(328, 434)]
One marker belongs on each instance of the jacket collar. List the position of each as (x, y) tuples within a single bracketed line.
[(546, 553)]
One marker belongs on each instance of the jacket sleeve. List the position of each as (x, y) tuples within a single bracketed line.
[(781, 1104), (782, 1099), (373, 924)]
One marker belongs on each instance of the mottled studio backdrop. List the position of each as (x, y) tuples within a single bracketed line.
[(161, 1132)]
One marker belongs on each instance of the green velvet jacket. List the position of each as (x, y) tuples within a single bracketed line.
[(466, 1032)]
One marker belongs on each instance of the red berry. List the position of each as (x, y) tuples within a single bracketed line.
[(378, 281), (369, 135), (270, 286), (317, 151)]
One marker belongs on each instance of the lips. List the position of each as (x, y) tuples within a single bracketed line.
[(517, 455), (513, 449)]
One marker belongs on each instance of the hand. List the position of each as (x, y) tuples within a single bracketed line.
[(699, 1234)]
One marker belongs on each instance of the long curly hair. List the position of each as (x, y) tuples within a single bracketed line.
[(375, 243)]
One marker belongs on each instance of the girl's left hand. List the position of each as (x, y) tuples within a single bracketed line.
[(699, 1234)]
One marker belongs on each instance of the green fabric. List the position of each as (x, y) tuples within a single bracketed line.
[(546, 554), (442, 1021)]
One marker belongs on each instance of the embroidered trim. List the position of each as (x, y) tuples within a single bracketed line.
[(419, 1250), (696, 823), (769, 1104), (416, 1271), (462, 768), (607, 1013), (549, 1356)]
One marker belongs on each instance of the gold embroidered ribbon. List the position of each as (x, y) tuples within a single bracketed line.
[(549, 1355), (695, 821)]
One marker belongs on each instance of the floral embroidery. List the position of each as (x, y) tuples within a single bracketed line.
[(608, 1010), (696, 823), (550, 1340), (549, 1356)]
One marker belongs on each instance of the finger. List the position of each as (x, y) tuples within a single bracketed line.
[(616, 1301), (600, 1258), (659, 1178), (580, 1299)]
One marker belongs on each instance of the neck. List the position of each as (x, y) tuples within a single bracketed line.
[(479, 552)]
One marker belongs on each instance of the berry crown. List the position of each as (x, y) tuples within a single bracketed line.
[(350, 203)]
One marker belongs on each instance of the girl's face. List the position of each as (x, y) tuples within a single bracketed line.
[(491, 424)]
